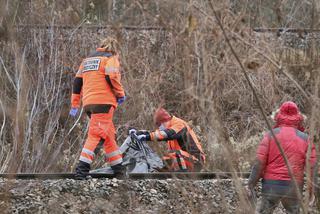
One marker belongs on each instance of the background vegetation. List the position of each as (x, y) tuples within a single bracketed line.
[(173, 53)]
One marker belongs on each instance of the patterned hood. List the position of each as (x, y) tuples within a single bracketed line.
[(289, 115)]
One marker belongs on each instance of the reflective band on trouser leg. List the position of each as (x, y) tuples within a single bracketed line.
[(113, 154), (87, 153), (114, 158), (86, 158), (181, 162)]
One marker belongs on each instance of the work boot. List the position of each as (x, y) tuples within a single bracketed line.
[(119, 170), (82, 170)]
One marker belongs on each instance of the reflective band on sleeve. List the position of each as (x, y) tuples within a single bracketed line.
[(115, 162), (87, 160), (87, 151), (112, 69), (160, 135), (110, 155), (163, 134)]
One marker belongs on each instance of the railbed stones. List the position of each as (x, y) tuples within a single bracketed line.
[(120, 196)]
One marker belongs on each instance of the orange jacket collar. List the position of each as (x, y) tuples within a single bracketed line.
[(101, 49)]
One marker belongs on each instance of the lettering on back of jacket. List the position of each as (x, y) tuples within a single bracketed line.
[(91, 65)]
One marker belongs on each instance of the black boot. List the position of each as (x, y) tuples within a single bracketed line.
[(119, 170), (82, 170)]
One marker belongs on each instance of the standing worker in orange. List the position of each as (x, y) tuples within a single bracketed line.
[(184, 149), (97, 82)]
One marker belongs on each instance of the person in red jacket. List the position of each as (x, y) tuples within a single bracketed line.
[(277, 185), (184, 149), (97, 82)]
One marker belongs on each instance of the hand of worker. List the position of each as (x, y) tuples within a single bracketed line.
[(73, 112), (120, 100), (132, 131)]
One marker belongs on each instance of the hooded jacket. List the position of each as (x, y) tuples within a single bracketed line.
[(294, 143)]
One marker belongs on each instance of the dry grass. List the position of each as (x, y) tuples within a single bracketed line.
[(187, 67)]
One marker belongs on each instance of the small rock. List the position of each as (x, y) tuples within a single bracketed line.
[(153, 191)]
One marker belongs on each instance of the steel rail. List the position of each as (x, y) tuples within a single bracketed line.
[(159, 28), (90, 27), (134, 176), (285, 30)]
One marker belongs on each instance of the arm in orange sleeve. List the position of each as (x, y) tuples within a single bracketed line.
[(76, 89), (113, 76), (174, 132), (162, 135)]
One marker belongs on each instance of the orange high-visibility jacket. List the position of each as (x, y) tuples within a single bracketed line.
[(98, 80), (180, 137)]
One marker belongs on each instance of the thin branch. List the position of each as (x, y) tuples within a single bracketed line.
[(4, 118), (8, 75)]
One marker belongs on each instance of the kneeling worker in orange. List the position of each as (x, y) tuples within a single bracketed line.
[(97, 82), (184, 149)]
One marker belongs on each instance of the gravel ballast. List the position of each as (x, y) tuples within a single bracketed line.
[(120, 196)]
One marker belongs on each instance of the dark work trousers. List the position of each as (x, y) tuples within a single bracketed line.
[(276, 191)]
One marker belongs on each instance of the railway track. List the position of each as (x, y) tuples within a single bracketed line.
[(159, 28), (134, 176)]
